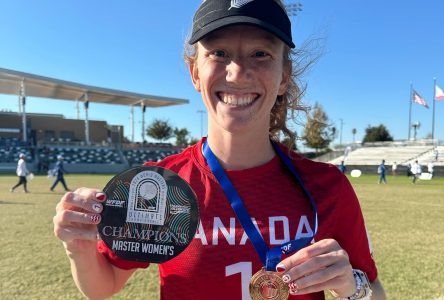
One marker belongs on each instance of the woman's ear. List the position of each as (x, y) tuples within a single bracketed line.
[(194, 72)]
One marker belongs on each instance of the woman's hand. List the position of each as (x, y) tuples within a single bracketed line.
[(320, 266), (76, 219)]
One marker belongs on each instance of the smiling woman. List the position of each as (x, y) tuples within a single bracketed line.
[(287, 101), (239, 73), (257, 199)]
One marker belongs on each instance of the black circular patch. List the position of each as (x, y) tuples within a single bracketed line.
[(151, 214)]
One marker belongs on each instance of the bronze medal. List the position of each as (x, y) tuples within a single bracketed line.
[(267, 285)]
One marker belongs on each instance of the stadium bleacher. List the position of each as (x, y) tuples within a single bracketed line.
[(373, 155), (435, 155), (10, 149), (139, 156), (367, 157), (79, 158), (99, 158), (80, 155)]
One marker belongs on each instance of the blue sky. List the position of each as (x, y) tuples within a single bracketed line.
[(372, 50)]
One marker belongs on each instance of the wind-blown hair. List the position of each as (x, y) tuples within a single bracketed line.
[(285, 106)]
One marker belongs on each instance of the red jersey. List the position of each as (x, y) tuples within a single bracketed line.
[(220, 261)]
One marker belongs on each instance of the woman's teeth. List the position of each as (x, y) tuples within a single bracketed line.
[(237, 100)]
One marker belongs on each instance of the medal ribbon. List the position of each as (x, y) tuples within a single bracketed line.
[(269, 257)]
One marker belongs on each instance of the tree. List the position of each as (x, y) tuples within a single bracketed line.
[(181, 137), (376, 134), (286, 141), (318, 133), (194, 141), (160, 130)]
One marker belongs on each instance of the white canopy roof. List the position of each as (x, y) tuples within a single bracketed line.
[(25, 84), (45, 87)]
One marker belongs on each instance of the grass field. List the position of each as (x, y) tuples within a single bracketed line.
[(405, 222)]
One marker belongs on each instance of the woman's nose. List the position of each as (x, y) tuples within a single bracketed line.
[(238, 71)]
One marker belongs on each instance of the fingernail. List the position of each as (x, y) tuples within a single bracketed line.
[(280, 267), (97, 207), (100, 196), (95, 218), (286, 278), (293, 288)]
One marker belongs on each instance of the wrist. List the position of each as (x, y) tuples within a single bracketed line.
[(363, 289)]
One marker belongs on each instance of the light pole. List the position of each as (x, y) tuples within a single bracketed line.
[(201, 112), (293, 8), (340, 133), (415, 126)]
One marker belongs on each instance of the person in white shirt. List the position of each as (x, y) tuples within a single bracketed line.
[(22, 171), (394, 167), (416, 171), (430, 168)]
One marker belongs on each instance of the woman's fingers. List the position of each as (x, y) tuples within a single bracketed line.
[(322, 265), (77, 215), (82, 199)]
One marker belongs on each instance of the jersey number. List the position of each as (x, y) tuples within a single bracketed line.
[(245, 269)]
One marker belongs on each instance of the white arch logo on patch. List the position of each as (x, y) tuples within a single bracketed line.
[(147, 199)]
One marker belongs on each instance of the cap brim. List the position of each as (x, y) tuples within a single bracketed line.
[(238, 20)]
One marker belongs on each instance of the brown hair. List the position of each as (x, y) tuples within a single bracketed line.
[(286, 105), (290, 102)]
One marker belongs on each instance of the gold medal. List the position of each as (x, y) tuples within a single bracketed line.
[(267, 285)]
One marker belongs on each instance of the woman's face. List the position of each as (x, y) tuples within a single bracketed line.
[(240, 71)]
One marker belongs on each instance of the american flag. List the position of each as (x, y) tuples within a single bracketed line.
[(418, 99), (439, 93)]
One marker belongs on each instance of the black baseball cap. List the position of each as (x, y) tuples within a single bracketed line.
[(266, 14)]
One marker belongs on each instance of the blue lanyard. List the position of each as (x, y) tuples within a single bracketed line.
[(269, 257)]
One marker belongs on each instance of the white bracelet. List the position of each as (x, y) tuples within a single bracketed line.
[(363, 290)]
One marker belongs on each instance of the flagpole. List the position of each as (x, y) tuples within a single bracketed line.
[(410, 107), (433, 115)]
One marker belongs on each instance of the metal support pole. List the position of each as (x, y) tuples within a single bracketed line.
[(433, 116), (410, 109), (143, 120), (20, 101), (23, 105), (78, 109), (132, 123), (86, 106)]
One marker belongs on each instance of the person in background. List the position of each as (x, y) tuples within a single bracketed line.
[(381, 172), (342, 167), (240, 60), (21, 171), (394, 167), (59, 171), (430, 167), (416, 171)]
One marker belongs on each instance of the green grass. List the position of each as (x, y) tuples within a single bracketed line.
[(404, 221)]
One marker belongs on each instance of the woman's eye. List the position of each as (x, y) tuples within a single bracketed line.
[(260, 54), (219, 53)]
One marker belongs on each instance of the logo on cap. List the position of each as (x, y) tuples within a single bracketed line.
[(239, 3)]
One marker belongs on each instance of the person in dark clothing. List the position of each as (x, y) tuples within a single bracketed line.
[(342, 167), (59, 172), (381, 172)]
